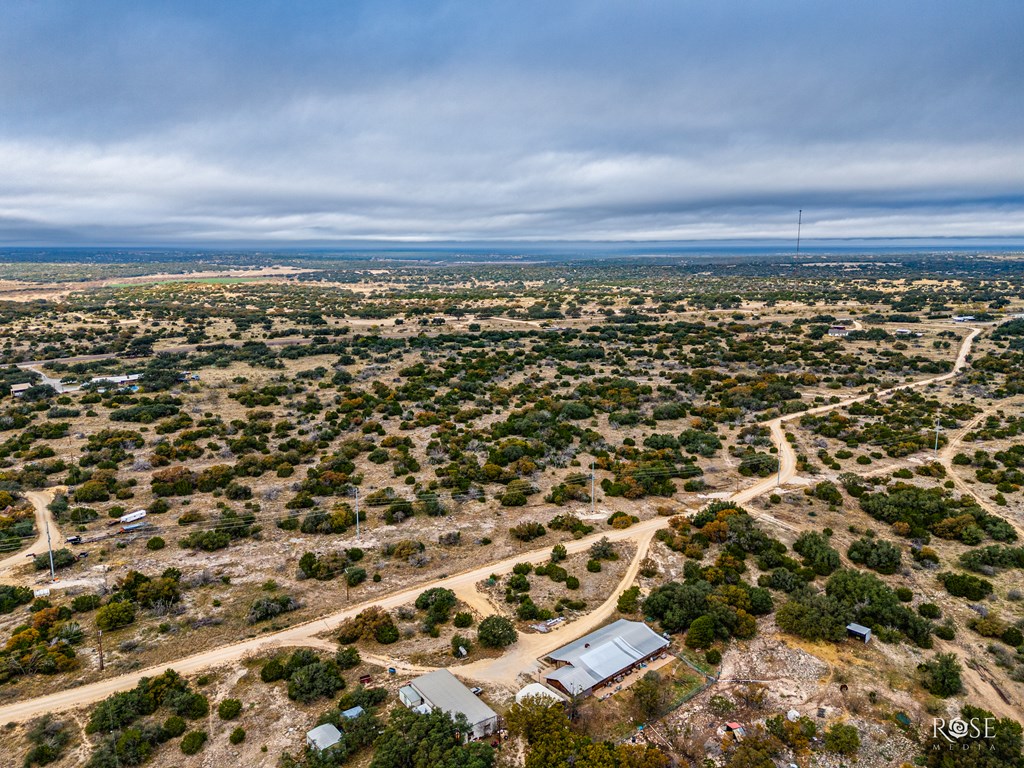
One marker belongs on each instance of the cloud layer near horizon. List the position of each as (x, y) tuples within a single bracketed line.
[(179, 122)]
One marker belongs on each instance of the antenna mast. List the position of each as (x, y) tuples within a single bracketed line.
[(799, 222)]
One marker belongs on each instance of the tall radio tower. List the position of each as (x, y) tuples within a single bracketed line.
[(799, 221)]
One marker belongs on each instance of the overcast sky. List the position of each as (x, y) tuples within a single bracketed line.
[(289, 122)]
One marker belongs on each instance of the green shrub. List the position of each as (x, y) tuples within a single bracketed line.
[(264, 608), (701, 633), (525, 531), (348, 658), (941, 675), (229, 709), (62, 558), (174, 726), (85, 603), (876, 554), (115, 615), (237, 736), (320, 679), (965, 585), (193, 742), (496, 632), (841, 738), (272, 671)]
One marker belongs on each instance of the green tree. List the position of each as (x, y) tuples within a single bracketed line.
[(650, 694), (435, 740), (115, 615), (842, 738), (701, 633), (629, 601), (496, 632), (348, 658), (320, 679), (193, 742), (229, 709), (941, 675)]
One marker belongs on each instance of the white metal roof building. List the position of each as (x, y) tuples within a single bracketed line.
[(440, 689), (125, 379), (323, 736), (540, 691), (602, 655)]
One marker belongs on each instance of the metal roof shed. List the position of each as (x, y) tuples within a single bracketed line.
[(858, 631), (323, 737)]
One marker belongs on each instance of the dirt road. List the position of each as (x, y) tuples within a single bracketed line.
[(946, 459), (524, 652), (522, 657), (41, 501), (787, 456)]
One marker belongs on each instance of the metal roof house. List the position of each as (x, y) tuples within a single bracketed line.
[(17, 390), (603, 655), (323, 736), (858, 631), (440, 689)]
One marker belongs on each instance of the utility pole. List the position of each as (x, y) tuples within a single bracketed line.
[(357, 513), (100, 641), (937, 428), (593, 497), (49, 547)]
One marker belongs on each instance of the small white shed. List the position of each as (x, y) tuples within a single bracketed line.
[(322, 737)]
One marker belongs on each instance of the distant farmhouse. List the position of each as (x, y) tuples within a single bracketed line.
[(17, 390), (126, 379), (440, 689), (603, 655), (839, 330)]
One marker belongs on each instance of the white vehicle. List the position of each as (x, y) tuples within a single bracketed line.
[(132, 516)]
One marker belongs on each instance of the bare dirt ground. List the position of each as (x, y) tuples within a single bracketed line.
[(18, 563), (17, 290), (512, 663)]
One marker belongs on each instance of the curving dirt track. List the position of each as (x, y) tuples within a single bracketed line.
[(518, 657), (41, 501)]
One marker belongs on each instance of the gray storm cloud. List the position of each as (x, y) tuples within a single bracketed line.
[(255, 122)]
